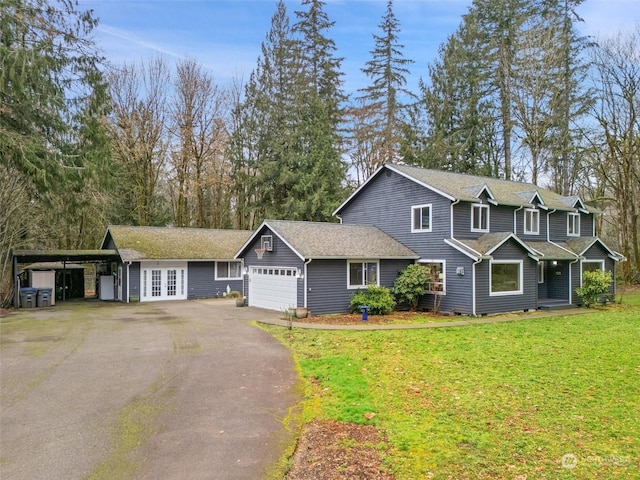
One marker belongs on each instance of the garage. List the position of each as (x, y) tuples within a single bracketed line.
[(273, 288), (163, 281)]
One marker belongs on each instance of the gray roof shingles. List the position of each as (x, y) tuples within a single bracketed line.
[(336, 240)]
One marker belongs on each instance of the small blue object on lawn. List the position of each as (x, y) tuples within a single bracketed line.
[(365, 309)]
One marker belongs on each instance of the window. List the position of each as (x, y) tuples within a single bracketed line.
[(540, 272), (506, 277), (228, 270), (437, 272), (591, 266), (531, 221), (573, 224), (421, 218), (362, 274), (479, 218)]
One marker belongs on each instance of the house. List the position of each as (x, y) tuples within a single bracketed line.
[(318, 265), (165, 263), (493, 245)]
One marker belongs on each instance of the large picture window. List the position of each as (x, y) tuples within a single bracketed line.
[(506, 277), (360, 274), (228, 270), (573, 224), (437, 272), (421, 218), (479, 218), (531, 221)]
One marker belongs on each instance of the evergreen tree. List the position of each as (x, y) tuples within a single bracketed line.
[(387, 94)]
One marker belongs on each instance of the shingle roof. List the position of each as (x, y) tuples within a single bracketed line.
[(487, 243), (465, 187), (551, 251), (336, 240), (139, 243)]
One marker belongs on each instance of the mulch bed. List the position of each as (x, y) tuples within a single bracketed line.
[(356, 318), (330, 450)]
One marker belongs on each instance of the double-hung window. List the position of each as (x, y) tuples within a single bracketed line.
[(531, 221), (479, 218), (573, 224), (228, 271), (360, 274), (506, 277), (421, 218)]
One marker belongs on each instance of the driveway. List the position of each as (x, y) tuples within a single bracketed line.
[(171, 390)]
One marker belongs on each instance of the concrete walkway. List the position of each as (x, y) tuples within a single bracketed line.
[(514, 317)]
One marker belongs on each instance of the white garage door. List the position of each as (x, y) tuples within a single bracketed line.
[(274, 288), (163, 281)]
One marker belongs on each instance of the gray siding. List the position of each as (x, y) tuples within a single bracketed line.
[(558, 226), (386, 203), (134, 280), (202, 283), (557, 280), (327, 284), (486, 304), (542, 227), (458, 298), (281, 256), (501, 218)]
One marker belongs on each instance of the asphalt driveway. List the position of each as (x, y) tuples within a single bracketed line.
[(171, 390)]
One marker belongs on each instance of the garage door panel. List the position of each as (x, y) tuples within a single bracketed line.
[(273, 288)]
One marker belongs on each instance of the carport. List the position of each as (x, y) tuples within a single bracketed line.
[(65, 257)]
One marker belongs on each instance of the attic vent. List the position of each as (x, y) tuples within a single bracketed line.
[(266, 242)]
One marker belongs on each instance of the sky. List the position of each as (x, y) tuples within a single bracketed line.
[(225, 35)]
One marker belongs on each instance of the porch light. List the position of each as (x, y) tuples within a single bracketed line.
[(554, 263), (245, 270)]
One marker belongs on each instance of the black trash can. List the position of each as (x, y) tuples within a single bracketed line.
[(28, 297), (44, 297)]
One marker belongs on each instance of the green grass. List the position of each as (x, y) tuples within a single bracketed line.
[(505, 400)]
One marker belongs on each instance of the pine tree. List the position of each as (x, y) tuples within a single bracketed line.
[(387, 93)]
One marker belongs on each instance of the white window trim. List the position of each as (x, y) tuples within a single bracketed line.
[(480, 207), (541, 267), (356, 287), (601, 262), (444, 274), (571, 218), (537, 226), (216, 277), (512, 292), (420, 230)]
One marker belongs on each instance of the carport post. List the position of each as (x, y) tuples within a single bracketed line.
[(16, 282)]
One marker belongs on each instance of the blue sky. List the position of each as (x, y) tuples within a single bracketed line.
[(225, 35)]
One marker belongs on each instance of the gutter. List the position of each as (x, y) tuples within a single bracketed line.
[(473, 286)]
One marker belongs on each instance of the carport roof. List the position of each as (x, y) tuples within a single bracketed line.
[(321, 240), (167, 243), (32, 256)]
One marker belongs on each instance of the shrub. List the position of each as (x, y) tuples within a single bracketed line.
[(379, 300), (412, 282), (234, 294), (594, 284)]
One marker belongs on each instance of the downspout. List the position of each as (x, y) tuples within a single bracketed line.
[(305, 282), (473, 286), (515, 216), (128, 282), (548, 215), (339, 218), (570, 287), (455, 202)]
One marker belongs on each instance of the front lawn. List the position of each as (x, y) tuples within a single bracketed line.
[(541, 398)]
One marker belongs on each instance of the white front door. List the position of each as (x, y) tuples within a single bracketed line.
[(163, 281), (273, 288)]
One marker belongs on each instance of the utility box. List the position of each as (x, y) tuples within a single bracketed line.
[(44, 297), (28, 297)]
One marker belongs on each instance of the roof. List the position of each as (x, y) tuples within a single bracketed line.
[(551, 251), (30, 256), (321, 240), (144, 243), (464, 187), (488, 243), (580, 245)]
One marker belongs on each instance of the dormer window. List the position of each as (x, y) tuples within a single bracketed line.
[(421, 218), (531, 221), (573, 224), (479, 218)]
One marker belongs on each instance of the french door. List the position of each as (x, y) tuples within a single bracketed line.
[(163, 281)]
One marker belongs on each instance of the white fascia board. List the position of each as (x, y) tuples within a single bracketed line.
[(298, 254), (515, 237), (251, 239), (469, 252)]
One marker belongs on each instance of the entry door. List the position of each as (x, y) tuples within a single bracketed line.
[(164, 282)]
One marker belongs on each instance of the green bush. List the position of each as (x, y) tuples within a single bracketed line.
[(234, 294), (379, 300), (594, 284), (412, 282)]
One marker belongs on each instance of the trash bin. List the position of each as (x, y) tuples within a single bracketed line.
[(28, 297), (44, 297)]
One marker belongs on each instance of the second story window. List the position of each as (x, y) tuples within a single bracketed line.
[(479, 218), (531, 221), (421, 218), (573, 224)]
